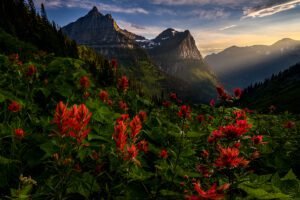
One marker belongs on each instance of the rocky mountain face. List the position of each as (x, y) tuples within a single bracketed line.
[(241, 66), (176, 54), (173, 53), (102, 33)]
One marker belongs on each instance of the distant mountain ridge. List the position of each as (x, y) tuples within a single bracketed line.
[(174, 53), (241, 66)]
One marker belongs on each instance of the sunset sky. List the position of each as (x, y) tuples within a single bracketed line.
[(215, 24)]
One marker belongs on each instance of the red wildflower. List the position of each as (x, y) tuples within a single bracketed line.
[(166, 104), (72, 122), (19, 133), (289, 124), (257, 139), (120, 135), (200, 118), (123, 84), (114, 64), (31, 70), (239, 114), (78, 122), (123, 106), (213, 193), (205, 154), (85, 82), (103, 96), (143, 146), (202, 169), (110, 102), (229, 157), (184, 112), (14, 107), (163, 153), (124, 117), (238, 92), (143, 116), (212, 103), (132, 152), (135, 126), (173, 96), (237, 145), (235, 130)]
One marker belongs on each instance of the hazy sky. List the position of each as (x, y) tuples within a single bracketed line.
[(215, 24)]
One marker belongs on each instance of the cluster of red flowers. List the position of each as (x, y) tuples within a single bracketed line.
[(72, 122), (229, 158), (123, 106), (123, 84), (129, 139), (230, 131), (103, 95), (14, 107), (185, 112), (226, 97), (85, 82)]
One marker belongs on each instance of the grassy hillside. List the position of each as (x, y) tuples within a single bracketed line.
[(68, 133)]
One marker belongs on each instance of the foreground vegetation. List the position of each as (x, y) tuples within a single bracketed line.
[(65, 135)]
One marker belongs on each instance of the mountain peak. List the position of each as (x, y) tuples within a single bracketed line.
[(94, 11)]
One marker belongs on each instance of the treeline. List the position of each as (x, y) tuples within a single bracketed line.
[(21, 19), (281, 76)]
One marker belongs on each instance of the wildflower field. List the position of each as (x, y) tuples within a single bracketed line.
[(66, 135)]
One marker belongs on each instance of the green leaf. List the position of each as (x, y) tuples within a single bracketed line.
[(290, 176), (6, 161)]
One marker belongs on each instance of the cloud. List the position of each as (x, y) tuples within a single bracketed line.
[(271, 10), (210, 14), (227, 27), (88, 4), (195, 2)]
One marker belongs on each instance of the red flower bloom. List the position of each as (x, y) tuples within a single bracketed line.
[(19, 133), (166, 104), (203, 170), (205, 154), (103, 96), (110, 102), (238, 92), (85, 82), (123, 106), (229, 157), (72, 122), (212, 103), (124, 118), (14, 107), (184, 112), (173, 96), (239, 114), (132, 152), (123, 84), (163, 153), (135, 126), (114, 64), (213, 193), (200, 118), (237, 145), (289, 125), (143, 116), (143, 146), (257, 139), (31, 70), (120, 135), (222, 94)]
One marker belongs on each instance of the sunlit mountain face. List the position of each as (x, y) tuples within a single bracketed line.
[(215, 24)]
